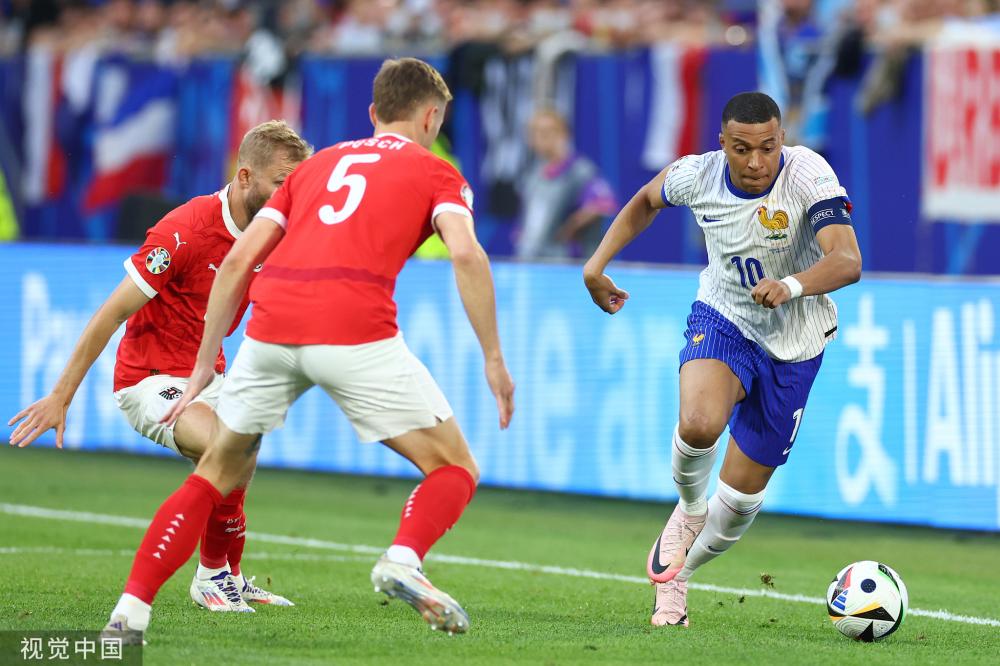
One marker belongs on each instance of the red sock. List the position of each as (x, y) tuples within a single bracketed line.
[(239, 540), (433, 507), (223, 526), (171, 537)]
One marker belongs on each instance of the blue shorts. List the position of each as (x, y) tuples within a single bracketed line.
[(766, 422)]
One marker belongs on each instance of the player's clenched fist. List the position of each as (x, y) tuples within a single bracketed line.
[(771, 293), (605, 294)]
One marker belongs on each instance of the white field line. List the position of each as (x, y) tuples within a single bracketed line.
[(129, 552), (125, 521)]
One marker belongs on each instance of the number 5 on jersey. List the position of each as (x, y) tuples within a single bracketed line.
[(355, 184)]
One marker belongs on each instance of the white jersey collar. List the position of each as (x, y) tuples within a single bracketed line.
[(227, 215), (395, 136)]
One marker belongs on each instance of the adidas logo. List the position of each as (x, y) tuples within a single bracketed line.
[(166, 537), (408, 509)]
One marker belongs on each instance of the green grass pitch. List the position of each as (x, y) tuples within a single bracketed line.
[(63, 574)]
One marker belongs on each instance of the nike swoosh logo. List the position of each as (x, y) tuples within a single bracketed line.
[(713, 550), (656, 566), (711, 219), (785, 452)]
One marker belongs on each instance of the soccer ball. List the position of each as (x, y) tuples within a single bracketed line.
[(867, 601)]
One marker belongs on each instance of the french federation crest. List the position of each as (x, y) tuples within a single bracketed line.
[(776, 223), (158, 261)]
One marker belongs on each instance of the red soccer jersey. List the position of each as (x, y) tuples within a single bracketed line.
[(352, 214), (175, 268)]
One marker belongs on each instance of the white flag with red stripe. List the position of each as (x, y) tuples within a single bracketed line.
[(675, 104), (136, 115)]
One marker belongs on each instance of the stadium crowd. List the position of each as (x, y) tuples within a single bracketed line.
[(509, 51), (177, 29)]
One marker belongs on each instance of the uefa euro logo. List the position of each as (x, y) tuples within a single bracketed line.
[(158, 261)]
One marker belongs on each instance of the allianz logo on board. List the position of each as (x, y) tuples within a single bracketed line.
[(945, 402)]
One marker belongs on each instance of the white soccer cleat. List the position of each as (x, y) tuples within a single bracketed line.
[(410, 584), (117, 629), (219, 594), (253, 594)]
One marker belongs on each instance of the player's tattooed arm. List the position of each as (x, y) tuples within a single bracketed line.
[(839, 267), (50, 411), (631, 221)]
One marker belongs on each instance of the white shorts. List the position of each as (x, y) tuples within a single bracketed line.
[(382, 388), (145, 404)]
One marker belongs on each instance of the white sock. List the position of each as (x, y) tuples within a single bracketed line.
[(403, 555), (730, 513), (135, 610), (692, 468), (240, 581), (205, 573)]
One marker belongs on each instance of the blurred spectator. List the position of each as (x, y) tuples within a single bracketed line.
[(180, 29), (360, 29), (893, 30), (565, 199), (797, 57)]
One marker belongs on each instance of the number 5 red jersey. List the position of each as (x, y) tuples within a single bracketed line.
[(352, 214)]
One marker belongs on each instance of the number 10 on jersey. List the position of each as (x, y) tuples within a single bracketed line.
[(751, 271)]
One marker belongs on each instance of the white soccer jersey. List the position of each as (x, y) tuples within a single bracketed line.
[(772, 234)]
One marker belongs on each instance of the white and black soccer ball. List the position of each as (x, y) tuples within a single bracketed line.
[(867, 601)]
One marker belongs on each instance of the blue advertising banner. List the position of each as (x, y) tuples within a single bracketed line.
[(903, 423)]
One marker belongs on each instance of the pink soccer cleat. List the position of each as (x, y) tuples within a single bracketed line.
[(666, 558), (670, 604)]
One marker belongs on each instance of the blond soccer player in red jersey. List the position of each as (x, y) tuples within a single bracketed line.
[(162, 300), (332, 241)]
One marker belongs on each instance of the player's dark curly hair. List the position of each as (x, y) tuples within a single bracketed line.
[(750, 108)]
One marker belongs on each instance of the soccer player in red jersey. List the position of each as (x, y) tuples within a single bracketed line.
[(162, 300), (332, 240)]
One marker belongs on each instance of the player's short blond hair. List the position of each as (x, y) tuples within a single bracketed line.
[(260, 143), (402, 85)]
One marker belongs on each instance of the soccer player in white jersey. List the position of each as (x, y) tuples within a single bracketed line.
[(777, 224)]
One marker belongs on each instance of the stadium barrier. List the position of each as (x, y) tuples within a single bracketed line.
[(903, 423)]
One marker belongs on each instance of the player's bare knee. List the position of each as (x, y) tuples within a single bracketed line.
[(229, 460), (470, 466), (192, 454), (441, 459), (700, 429)]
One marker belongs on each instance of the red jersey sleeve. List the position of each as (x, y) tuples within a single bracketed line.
[(451, 193), (165, 254)]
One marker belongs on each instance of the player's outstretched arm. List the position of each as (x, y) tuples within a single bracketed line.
[(230, 284), (631, 221), (475, 285), (50, 411), (839, 267)]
